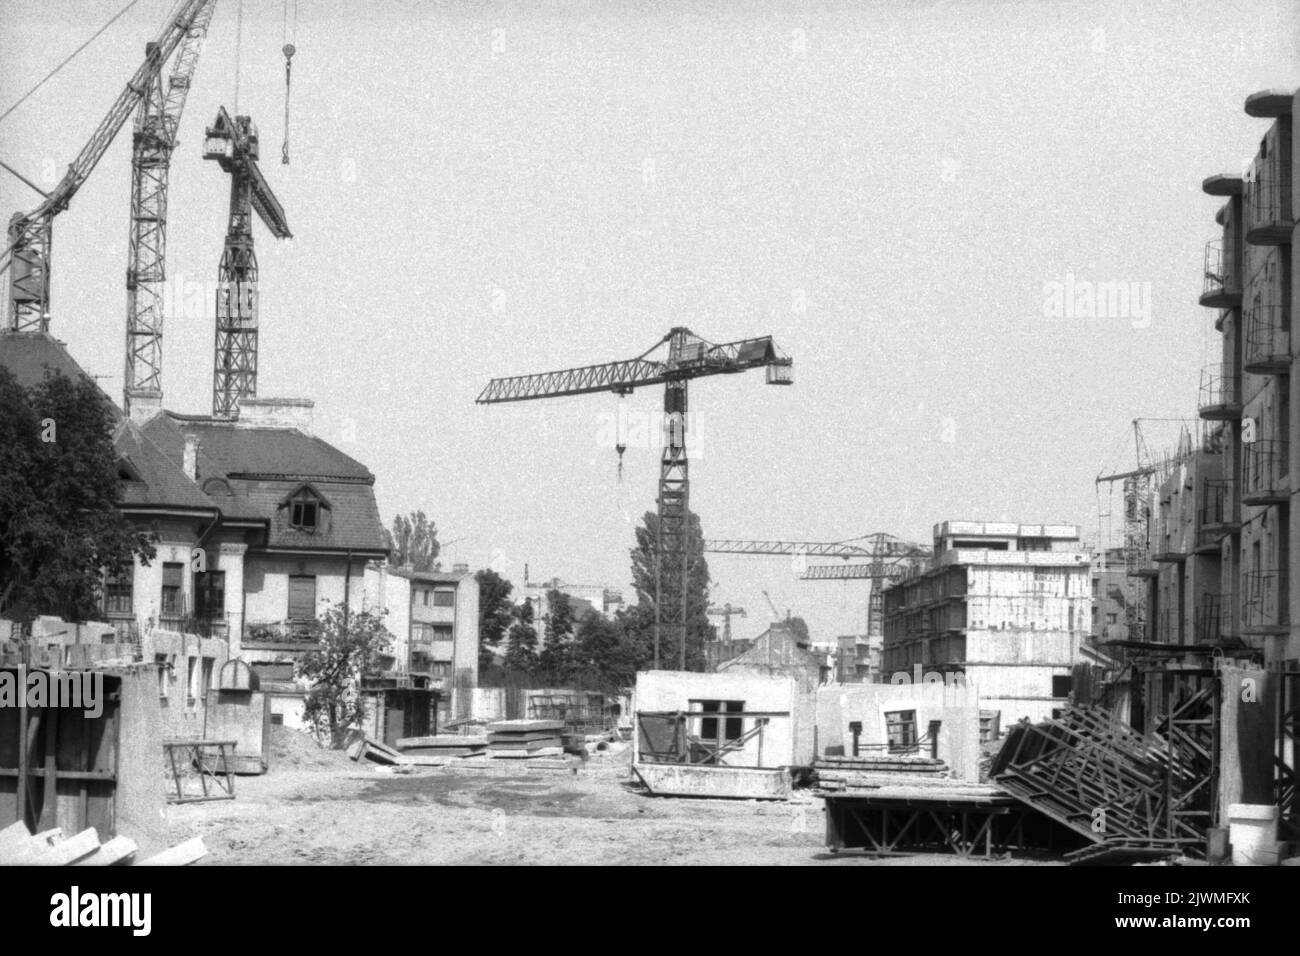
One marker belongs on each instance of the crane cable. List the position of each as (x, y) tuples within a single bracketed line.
[(239, 38), (289, 50), (69, 58)]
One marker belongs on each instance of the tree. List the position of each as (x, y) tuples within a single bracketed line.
[(60, 528), (699, 630), (521, 646), (495, 614), (557, 661), (349, 643), (414, 541), (605, 658)]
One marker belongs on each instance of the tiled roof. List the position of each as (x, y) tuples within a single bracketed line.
[(162, 481), (29, 355), (237, 450), (248, 472)]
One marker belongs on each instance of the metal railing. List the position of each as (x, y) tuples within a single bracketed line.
[(677, 737), (1268, 338), (1218, 387), (282, 632), (1208, 617), (1216, 512), (1268, 208), (1261, 599), (1220, 273), (1264, 471)]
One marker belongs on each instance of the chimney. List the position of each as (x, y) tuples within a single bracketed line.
[(145, 404), (276, 413), (190, 463)]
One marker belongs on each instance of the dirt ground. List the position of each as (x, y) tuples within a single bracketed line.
[(318, 807)]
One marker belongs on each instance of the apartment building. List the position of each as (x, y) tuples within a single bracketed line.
[(1246, 486), (433, 616), (1004, 607)]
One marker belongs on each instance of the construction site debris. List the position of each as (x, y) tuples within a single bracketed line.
[(20, 847)]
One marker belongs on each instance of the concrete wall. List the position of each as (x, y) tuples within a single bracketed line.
[(182, 688), (957, 708), (786, 741)]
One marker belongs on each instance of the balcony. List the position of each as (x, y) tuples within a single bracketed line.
[(1208, 618), (1268, 340), (1265, 474), (1263, 603), (1221, 288), (1220, 400), (189, 624), (282, 635), (1268, 210), (1216, 516)]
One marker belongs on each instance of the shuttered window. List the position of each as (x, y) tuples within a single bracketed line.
[(302, 597)]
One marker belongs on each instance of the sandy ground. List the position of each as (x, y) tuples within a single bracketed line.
[(319, 807)]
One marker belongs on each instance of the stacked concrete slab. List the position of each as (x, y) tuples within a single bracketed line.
[(523, 739)]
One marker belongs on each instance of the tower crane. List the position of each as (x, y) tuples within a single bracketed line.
[(727, 612), (233, 144), (886, 558), (153, 143), (677, 358), (31, 234)]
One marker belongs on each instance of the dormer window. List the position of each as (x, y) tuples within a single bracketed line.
[(303, 513), (306, 510)]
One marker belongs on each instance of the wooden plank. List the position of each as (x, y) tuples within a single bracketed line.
[(13, 837), (182, 854), (66, 851), (114, 851)]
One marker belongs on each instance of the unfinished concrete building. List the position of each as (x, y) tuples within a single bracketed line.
[(1003, 606)]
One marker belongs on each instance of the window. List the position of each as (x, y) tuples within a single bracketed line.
[(210, 595), (1061, 685), (172, 587), (900, 727), (720, 730), (164, 674), (302, 597), (205, 677), (118, 595), (444, 597), (304, 511), (424, 596), (191, 681)]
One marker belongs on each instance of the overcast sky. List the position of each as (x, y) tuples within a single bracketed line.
[(888, 189)]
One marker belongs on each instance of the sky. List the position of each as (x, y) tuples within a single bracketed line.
[(896, 192)]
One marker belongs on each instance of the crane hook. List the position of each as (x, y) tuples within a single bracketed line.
[(289, 51), (620, 448)]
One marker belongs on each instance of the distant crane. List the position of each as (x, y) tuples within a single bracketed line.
[(776, 615), (31, 234), (887, 558), (233, 144), (153, 142), (727, 612), (687, 356)]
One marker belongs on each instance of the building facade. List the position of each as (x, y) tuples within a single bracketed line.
[(1249, 270), (433, 616), (1004, 607)]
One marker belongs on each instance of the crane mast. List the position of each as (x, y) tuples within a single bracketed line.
[(233, 143), (687, 356), (153, 142), (31, 234)]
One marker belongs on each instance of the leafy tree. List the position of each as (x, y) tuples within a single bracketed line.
[(349, 643), (414, 541), (557, 660), (521, 645), (60, 529), (699, 630), (495, 614), (605, 658)]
